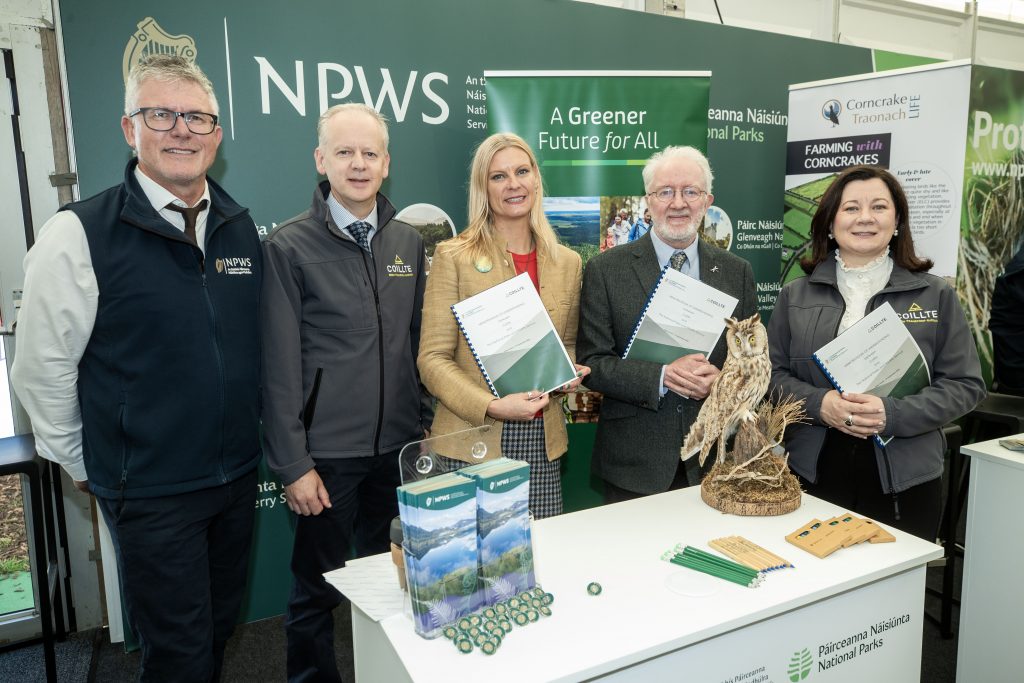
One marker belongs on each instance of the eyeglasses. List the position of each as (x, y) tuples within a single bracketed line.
[(667, 194), (159, 119)]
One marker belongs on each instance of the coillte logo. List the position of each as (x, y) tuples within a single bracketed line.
[(399, 268), (149, 38), (916, 314)]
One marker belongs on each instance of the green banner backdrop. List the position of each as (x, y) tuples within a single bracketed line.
[(592, 133), (275, 66), (992, 219)]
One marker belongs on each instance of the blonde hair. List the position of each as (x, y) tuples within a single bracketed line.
[(477, 240)]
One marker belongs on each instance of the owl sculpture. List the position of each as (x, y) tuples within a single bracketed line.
[(736, 391)]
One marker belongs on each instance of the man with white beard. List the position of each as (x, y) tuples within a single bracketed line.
[(644, 402)]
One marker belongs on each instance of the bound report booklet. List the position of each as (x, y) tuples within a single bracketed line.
[(440, 548), (877, 356), (682, 316), (512, 338), (503, 528)]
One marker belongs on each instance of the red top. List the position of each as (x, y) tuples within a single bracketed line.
[(527, 263)]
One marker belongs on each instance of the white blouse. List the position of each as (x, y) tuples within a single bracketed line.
[(858, 285)]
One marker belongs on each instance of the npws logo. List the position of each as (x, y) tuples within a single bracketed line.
[(239, 265)]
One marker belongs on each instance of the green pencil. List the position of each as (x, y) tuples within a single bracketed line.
[(715, 559), (712, 569)]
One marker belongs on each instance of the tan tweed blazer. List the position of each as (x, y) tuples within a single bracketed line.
[(447, 366)]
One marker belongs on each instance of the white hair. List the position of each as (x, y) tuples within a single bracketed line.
[(677, 152), (166, 68)]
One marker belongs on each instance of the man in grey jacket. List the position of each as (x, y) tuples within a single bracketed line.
[(342, 292), (645, 402)]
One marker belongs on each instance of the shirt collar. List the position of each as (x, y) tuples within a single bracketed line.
[(344, 218), (160, 196), (664, 252)]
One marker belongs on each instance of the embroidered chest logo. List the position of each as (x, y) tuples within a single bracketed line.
[(237, 265), (916, 314), (399, 268)]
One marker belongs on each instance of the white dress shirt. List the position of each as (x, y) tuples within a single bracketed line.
[(58, 312), (858, 285)]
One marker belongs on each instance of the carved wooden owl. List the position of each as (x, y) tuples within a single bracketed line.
[(736, 391)]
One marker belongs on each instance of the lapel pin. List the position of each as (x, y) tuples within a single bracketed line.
[(714, 269)]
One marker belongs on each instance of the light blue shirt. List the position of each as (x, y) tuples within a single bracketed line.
[(691, 267), (664, 253), (344, 218)]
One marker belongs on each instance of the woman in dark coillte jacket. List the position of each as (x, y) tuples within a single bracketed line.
[(862, 257)]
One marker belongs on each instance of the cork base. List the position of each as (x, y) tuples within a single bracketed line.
[(748, 497), (399, 560)]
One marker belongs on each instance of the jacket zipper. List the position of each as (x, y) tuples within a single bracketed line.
[(370, 275), (218, 348), (212, 312), (124, 450), (218, 354), (885, 451)]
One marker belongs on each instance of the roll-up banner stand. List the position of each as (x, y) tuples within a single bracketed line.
[(953, 134), (592, 132)]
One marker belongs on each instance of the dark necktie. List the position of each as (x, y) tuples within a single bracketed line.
[(359, 231), (678, 260), (190, 217)]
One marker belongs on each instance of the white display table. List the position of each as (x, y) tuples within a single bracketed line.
[(992, 601), (854, 616)]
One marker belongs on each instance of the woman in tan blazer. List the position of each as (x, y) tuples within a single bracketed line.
[(507, 234)]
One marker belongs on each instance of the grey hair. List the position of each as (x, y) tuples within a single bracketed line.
[(677, 152), (351, 107), (166, 68)]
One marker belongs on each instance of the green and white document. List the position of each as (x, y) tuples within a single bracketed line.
[(877, 355), (682, 316), (513, 340)]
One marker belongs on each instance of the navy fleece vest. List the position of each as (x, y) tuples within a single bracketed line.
[(169, 382)]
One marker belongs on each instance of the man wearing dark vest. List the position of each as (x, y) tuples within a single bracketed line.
[(342, 293), (138, 362)]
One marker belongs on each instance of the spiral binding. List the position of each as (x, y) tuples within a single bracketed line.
[(643, 313), (832, 380), (472, 349), (827, 373)]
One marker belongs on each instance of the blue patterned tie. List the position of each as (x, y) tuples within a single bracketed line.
[(359, 231), (677, 260)]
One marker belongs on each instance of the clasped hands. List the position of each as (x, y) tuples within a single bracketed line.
[(860, 415), (690, 376), (524, 405)]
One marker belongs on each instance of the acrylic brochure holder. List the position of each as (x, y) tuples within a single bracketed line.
[(466, 536), (430, 526), (442, 454)]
